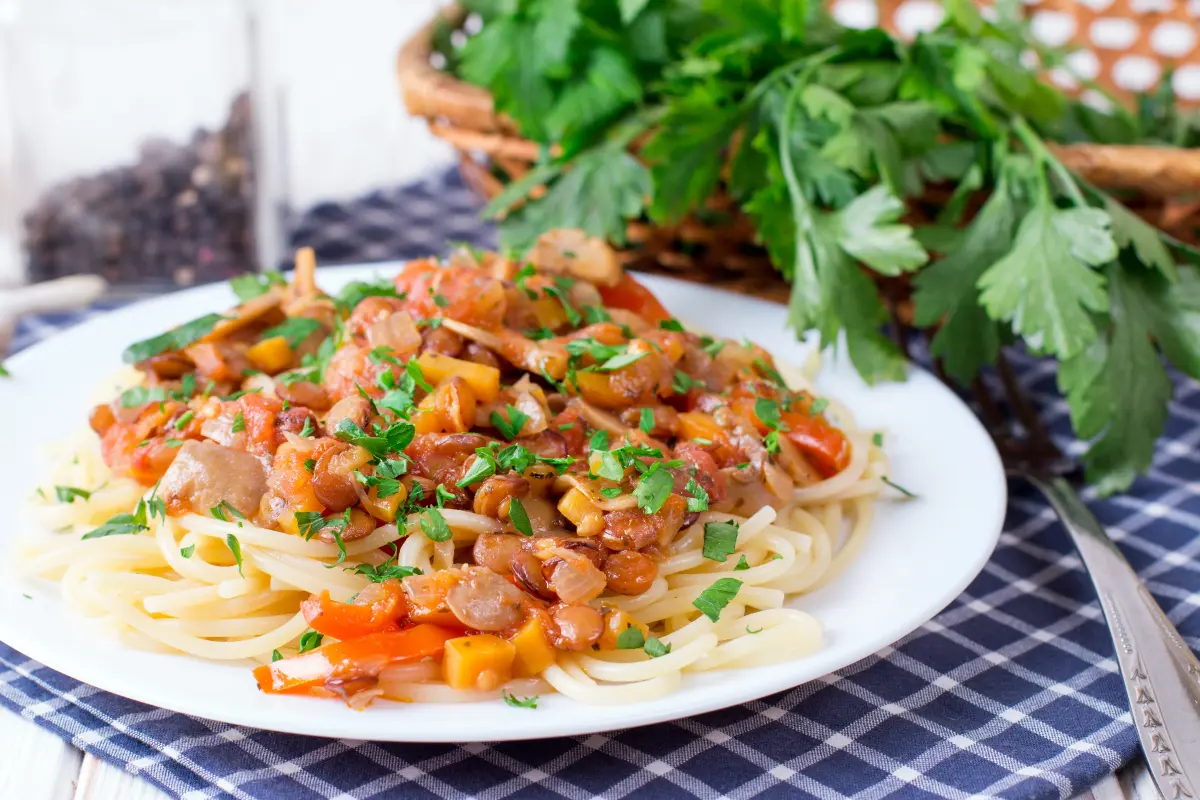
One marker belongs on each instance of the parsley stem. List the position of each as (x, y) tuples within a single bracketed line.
[(1045, 158)]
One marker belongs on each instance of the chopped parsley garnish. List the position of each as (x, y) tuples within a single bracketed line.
[(510, 427), (596, 314), (610, 492), (653, 488), (699, 497), (310, 640), (442, 495), (720, 540), (413, 369), (631, 639), (235, 547), (140, 395), (646, 420), (435, 526), (67, 494), (308, 428), (767, 411), (519, 702), (4, 373), (877, 439), (294, 329), (714, 599), (538, 334), (355, 292), (522, 275), (771, 442), (560, 292), (754, 630), (138, 521), (898, 487), (239, 423), (599, 440), (174, 339), (742, 565), (440, 300), (712, 346), (187, 552), (817, 406), (225, 512), (384, 572), (655, 648), (184, 419), (310, 523), (240, 394), (619, 361), (519, 517), (310, 464), (671, 325), (683, 383), (484, 466), (383, 355), (770, 372), (250, 286), (276, 656)]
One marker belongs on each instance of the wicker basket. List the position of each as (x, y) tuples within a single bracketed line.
[(717, 246)]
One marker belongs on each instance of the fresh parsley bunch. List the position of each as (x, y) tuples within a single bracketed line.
[(829, 138)]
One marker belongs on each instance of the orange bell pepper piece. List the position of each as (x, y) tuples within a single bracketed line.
[(633, 296), (363, 657), (379, 607)]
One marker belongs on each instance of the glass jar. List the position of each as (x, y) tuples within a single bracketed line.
[(130, 149)]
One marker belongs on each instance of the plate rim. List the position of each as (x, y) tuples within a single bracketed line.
[(334, 725)]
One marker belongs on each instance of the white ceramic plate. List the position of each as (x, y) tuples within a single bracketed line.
[(920, 555)]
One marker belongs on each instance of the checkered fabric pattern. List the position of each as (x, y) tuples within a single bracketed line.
[(1010, 692)]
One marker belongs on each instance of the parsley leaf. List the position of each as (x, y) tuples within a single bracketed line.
[(518, 516), (631, 639), (67, 494), (239, 423), (435, 527), (310, 640), (1046, 286), (699, 497), (174, 339), (714, 599), (510, 427), (653, 489), (519, 702), (720, 540), (235, 547), (295, 330)]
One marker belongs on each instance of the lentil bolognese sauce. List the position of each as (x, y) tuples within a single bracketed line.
[(487, 478)]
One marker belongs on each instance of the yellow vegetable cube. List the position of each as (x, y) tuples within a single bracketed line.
[(483, 380), (482, 662), (534, 652), (271, 355)]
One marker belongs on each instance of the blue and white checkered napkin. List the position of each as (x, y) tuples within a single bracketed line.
[(1010, 692)]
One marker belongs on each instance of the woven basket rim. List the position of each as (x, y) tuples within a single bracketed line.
[(464, 115)]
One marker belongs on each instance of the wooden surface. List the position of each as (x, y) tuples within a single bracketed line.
[(37, 765)]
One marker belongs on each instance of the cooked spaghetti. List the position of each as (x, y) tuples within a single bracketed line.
[(484, 478)]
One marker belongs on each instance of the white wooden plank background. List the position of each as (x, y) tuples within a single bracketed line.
[(37, 765)]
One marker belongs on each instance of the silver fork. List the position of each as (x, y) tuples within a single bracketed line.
[(1161, 675)]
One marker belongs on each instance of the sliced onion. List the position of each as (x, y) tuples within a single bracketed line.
[(397, 331), (409, 672), (575, 579), (600, 419)]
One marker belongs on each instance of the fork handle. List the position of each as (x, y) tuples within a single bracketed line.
[(1161, 675)]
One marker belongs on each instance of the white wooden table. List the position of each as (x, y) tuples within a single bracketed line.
[(37, 765)]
